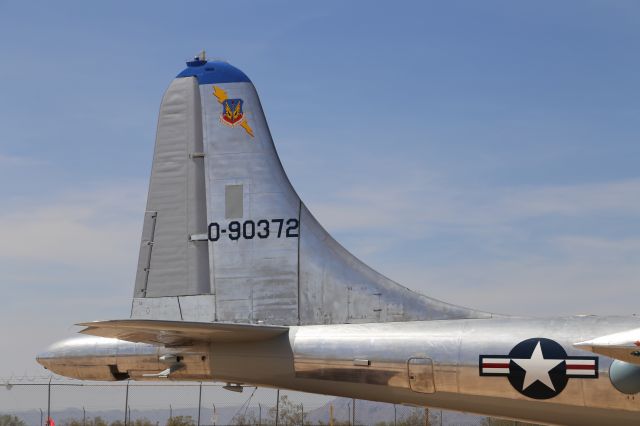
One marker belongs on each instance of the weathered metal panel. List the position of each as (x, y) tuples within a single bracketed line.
[(255, 278), (196, 207), (198, 308), (167, 308), (176, 191)]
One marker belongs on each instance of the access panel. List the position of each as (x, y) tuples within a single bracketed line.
[(421, 375)]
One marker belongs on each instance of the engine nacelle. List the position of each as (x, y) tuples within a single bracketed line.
[(625, 377)]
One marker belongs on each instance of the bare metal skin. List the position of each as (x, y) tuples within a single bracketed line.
[(238, 282)]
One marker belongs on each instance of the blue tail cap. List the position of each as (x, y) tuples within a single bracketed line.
[(213, 72)]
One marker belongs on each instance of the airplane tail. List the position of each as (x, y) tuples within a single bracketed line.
[(227, 239)]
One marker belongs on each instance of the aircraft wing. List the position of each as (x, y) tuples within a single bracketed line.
[(180, 333), (624, 346)]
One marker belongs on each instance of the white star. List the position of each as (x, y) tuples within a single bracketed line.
[(537, 368)]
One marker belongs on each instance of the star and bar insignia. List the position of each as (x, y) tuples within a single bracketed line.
[(232, 114), (539, 368)]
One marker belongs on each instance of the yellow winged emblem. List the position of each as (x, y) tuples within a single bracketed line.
[(232, 114)]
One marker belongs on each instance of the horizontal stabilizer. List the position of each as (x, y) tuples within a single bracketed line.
[(624, 346), (180, 333)]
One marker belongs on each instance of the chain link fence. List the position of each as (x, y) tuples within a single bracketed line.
[(76, 403)]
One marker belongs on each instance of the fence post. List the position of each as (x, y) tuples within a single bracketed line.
[(126, 404), (395, 417), (277, 405), (199, 403), (330, 414), (41, 417), (353, 413), (84, 417), (259, 414), (49, 402)]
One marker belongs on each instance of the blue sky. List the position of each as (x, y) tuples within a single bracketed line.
[(485, 153)]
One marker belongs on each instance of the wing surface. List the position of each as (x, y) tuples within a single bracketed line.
[(180, 333), (624, 346)]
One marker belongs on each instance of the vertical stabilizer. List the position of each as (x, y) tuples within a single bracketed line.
[(226, 237)]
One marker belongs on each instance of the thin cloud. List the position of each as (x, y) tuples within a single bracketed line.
[(76, 228), (435, 204), (14, 160), (536, 286)]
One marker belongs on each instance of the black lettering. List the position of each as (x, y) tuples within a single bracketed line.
[(292, 228), (234, 230), (214, 236), (264, 233), (279, 222), (249, 229)]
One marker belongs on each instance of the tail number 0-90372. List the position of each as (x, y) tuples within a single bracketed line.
[(249, 229)]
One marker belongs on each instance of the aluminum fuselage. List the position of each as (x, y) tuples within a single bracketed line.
[(370, 361)]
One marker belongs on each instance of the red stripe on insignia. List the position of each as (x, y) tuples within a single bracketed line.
[(494, 365), (580, 367)]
